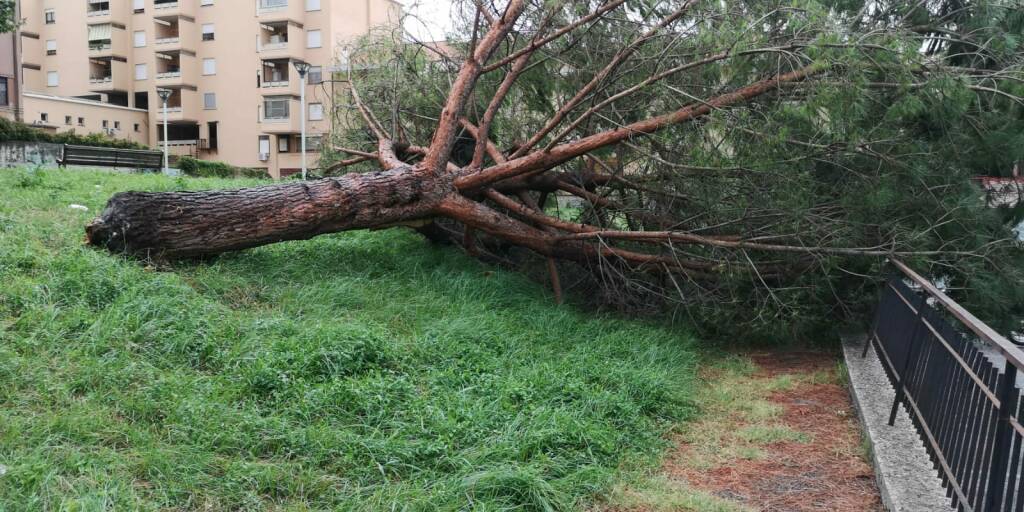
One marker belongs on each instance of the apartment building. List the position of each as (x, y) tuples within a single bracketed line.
[(235, 95)]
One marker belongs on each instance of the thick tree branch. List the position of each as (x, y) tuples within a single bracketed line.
[(565, 152)]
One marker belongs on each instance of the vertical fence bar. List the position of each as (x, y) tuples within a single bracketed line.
[(998, 486), (901, 379), (874, 324)]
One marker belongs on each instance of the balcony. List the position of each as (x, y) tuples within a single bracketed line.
[(280, 39), (279, 115), (176, 69), (174, 33), (98, 11), (279, 78), (278, 10), (32, 50), (182, 106), (108, 75), (105, 41), (164, 8)]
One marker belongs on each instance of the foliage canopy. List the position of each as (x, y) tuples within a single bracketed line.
[(907, 102)]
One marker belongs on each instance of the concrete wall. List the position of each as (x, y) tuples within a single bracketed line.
[(29, 153), (121, 122)]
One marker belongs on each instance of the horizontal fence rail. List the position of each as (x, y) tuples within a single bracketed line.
[(958, 380)]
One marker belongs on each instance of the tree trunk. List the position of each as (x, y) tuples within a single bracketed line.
[(193, 224)]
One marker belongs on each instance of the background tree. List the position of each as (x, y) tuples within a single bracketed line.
[(8, 16), (753, 162)]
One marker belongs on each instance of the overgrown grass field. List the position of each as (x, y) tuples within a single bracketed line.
[(359, 371)]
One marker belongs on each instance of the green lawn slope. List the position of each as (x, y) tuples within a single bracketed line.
[(359, 371)]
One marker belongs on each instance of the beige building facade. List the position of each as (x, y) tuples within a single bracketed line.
[(228, 63), (10, 80), (63, 114)]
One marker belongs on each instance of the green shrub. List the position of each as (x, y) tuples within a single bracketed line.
[(13, 131), (247, 172), (207, 169)]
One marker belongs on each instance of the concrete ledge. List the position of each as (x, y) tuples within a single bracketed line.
[(907, 480)]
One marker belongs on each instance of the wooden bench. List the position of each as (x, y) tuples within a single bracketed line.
[(110, 157)]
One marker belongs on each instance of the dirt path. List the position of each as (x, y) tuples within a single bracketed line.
[(777, 433)]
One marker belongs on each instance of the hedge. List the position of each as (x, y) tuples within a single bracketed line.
[(207, 169), (13, 131)]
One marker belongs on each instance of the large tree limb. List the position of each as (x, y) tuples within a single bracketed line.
[(565, 152), (444, 136)]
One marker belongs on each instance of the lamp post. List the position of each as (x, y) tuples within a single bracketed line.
[(303, 68), (164, 94)]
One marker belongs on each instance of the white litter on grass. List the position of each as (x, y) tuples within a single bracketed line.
[(79, 207), (3, 470)]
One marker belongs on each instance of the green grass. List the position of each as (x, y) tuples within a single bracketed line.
[(359, 371)]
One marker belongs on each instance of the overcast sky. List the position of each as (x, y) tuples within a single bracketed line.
[(434, 14)]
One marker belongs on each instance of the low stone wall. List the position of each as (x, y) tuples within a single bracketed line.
[(29, 153)]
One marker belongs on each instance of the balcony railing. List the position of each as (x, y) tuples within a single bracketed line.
[(272, 5), (268, 84), (101, 79), (168, 40)]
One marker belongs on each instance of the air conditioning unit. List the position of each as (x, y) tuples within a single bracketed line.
[(264, 157)]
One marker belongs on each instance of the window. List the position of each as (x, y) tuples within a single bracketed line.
[(117, 125), (81, 121), (50, 16), (106, 123), (67, 120), (275, 108), (316, 75), (52, 80), (312, 5), (282, 143), (313, 39), (313, 143), (208, 32), (4, 97), (51, 47), (316, 111), (140, 72), (210, 101), (139, 37), (264, 148), (44, 117), (136, 127), (209, 66), (139, 6)]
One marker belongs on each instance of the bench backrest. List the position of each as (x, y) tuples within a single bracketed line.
[(111, 157)]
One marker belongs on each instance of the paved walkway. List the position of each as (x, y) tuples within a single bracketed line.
[(906, 477)]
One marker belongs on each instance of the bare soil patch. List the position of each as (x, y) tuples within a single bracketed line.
[(777, 433), (824, 470)]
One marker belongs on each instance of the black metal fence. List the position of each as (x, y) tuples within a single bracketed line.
[(958, 380)]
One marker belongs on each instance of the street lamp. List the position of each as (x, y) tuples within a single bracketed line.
[(164, 94), (303, 68)]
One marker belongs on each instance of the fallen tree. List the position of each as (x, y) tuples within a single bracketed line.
[(700, 142)]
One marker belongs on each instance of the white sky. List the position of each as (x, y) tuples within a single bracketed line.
[(434, 18)]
